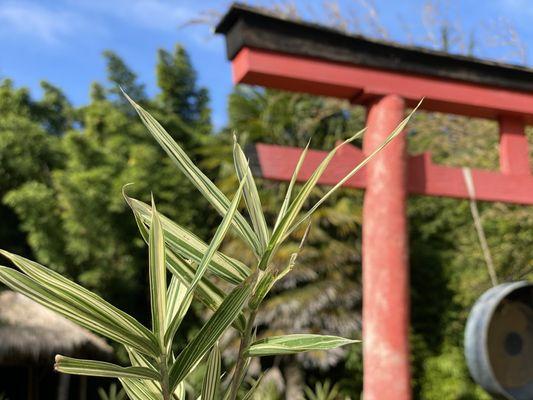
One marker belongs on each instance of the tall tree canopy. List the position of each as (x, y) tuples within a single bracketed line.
[(72, 209)]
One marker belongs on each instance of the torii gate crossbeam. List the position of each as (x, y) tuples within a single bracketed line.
[(387, 78)]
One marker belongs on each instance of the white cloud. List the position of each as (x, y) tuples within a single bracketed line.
[(162, 15), (32, 20)]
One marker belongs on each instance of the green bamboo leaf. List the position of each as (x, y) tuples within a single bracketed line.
[(157, 277), (175, 296), (179, 393), (250, 394), (212, 375), (150, 388), (251, 196), (217, 239), (197, 177), (70, 308), (297, 204), (287, 199), (179, 302), (189, 246), (137, 389), (398, 130), (210, 333), (78, 296), (208, 294), (76, 366), (298, 343)]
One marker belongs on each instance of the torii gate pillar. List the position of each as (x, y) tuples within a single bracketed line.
[(292, 55), (385, 258)]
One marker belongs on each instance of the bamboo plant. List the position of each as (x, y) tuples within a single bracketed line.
[(156, 372)]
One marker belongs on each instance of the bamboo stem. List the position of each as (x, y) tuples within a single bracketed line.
[(239, 367)]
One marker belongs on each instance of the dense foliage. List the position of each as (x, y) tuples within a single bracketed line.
[(62, 169), (447, 267)]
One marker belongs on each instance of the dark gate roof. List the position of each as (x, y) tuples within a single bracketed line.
[(246, 26)]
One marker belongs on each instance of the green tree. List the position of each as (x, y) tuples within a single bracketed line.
[(77, 221), (119, 76), (53, 110), (181, 103), (27, 153)]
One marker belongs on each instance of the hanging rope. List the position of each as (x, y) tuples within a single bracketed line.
[(469, 182)]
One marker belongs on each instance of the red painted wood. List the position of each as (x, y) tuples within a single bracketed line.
[(321, 77), (424, 177), (385, 258), (514, 157), (278, 163), (389, 178)]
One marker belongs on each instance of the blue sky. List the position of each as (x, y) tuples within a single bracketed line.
[(62, 40)]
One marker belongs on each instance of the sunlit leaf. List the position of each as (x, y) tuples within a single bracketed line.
[(212, 375), (76, 366), (298, 343), (208, 189)]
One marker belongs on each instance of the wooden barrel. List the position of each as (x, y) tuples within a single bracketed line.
[(499, 341)]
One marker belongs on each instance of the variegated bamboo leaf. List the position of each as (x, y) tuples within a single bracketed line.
[(209, 294), (217, 239), (398, 130), (208, 189), (211, 381), (210, 333), (68, 307), (288, 194), (137, 389), (188, 245), (298, 343), (157, 277), (76, 366), (251, 196), (294, 208)]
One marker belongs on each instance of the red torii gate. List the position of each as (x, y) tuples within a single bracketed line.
[(387, 78)]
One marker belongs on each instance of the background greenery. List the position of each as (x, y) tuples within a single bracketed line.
[(62, 169)]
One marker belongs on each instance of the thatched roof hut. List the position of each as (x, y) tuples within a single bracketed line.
[(30, 333), (30, 337)]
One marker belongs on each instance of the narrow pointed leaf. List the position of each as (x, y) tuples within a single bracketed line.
[(140, 360), (217, 239), (398, 130), (175, 296), (250, 394), (209, 294), (76, 366), (179, 306), (137, 389), (188, 245), (208, 189), (71, 310), (211, 381), (210, 333), (158, 277), (179, 393), (298, 343), (78, 295), (149, 387), (297, 204), (287, 199), (206, 292), (251, 196)]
